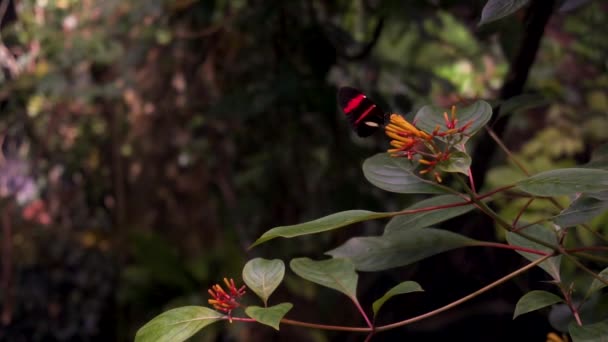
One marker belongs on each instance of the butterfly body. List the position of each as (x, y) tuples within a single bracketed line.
[(364, 116)]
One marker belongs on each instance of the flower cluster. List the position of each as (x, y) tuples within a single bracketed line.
[(411, 142), (226, 301)]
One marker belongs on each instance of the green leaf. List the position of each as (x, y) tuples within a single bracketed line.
[(400, 248), (496, 9), (177, 324), (565, 182), (337, 274), (428, 218), (479, 113), (597, 332), (598, 285), (323, 224), (581, 210), (397, 175), (270, 316), (541, 233), (405, 287), (535, 300), (458, 162), (263, 276)]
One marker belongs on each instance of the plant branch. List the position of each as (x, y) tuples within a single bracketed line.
[(465, 298), (512, 247)]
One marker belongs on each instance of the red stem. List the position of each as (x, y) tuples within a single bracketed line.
[(369, 323), (588, 248), (515, 248), (521, 212)]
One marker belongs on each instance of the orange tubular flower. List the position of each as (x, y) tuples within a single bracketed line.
[(409, 141), (226, 301)]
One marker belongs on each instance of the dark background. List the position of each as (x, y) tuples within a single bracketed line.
[(146, 144)]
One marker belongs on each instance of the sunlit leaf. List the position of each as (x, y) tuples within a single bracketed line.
[(535, 300), (598, 285), (270, 316), (263, 276), (397, 175), (338, 274), (428, 218), (400, 248), (333, 221), (405, 287), (581, 210), (177, 324), (597, 332), (565, 182), (542, 233), (478, 114), (496, 9)]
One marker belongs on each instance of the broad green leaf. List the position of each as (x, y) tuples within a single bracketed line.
[(541, 233), (581, 210), (458, 162), (598, 285), (405, 287), (478, 113), (535, 300), (597, 332), (401, 248), (397, 174), (270, 316), (565, 182), (263, 276), (323, 224), (428, 218), (338, 274), (496, 9), (177, 324), (522, 102)]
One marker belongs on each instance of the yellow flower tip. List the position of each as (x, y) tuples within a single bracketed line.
[(453, 112), (422, 172), (553, 337), (424, 161), (438, 177)]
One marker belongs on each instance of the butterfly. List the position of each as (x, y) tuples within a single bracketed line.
[(364, 116)]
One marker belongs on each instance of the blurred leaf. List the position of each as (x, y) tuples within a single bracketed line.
[(597, 285), (581, 210), (597, 332), (177, 324), (535, 300), (270, 316), (594, 309), (542, 233), (263, 276), (522, 102), (565, 182), (333, 221), (571, 5), (400, 248), (458, 162), (337, 274), (496, 9), (397, 175), (599, 158), (427, 218), (404, 287), (479, 113)]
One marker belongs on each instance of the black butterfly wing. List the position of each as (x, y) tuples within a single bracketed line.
[(364, 116)]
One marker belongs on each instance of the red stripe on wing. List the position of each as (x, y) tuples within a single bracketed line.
[(366, 113), (354, 103)]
